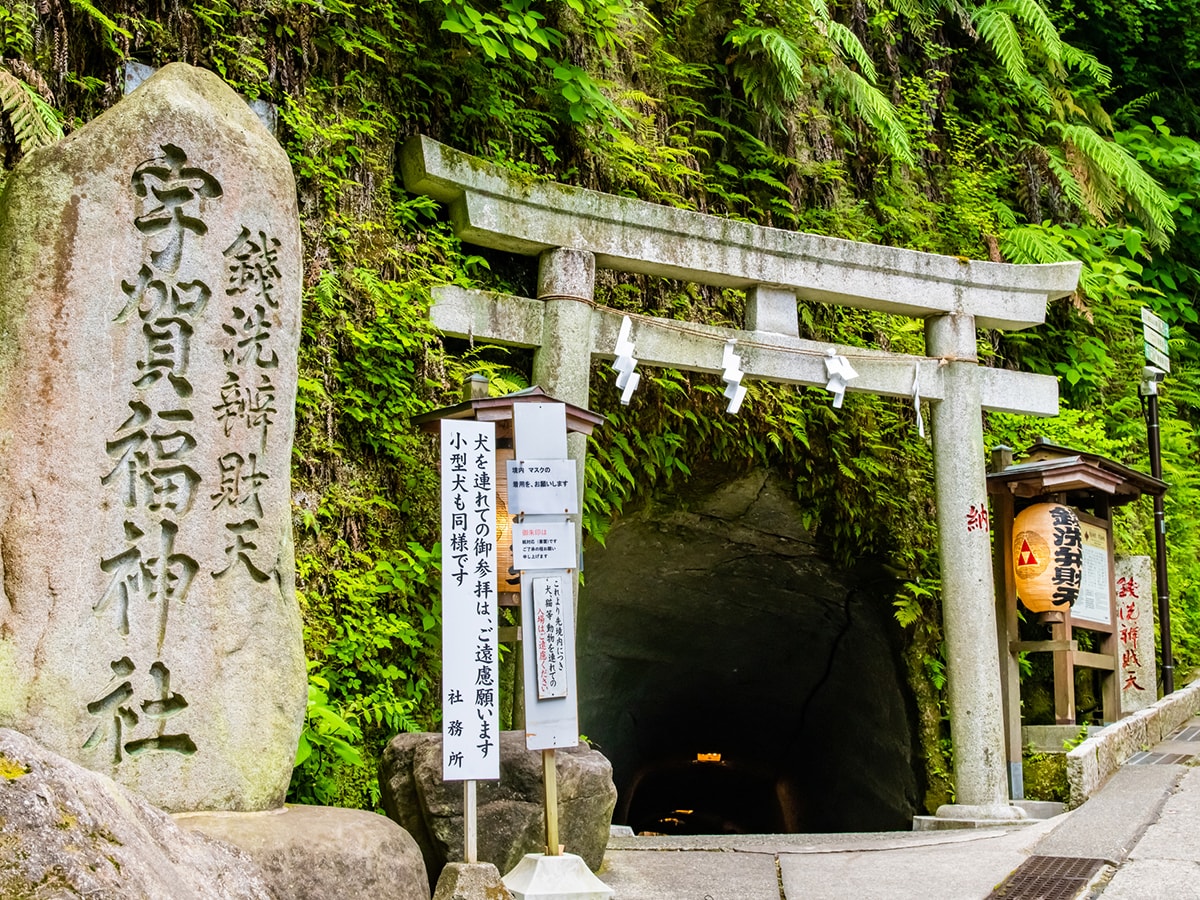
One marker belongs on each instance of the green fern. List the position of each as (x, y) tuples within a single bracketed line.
[(1031, 244), (1110, 160), (873, 106), (1034, 17), (108, 27), (852, 47), (999, 31), (34, 122), (770, 65)]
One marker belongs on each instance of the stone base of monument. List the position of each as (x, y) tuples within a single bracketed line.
[(563, 877), (953, 816), (471, 881), (321, 852)]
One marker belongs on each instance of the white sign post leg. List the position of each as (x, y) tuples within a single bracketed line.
[(470, 824)]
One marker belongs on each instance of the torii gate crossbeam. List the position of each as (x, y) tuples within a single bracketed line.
[(574, 230)]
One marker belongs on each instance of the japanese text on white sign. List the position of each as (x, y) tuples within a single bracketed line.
[(543, 543), (470, 683), (542, 487), (550, 628)]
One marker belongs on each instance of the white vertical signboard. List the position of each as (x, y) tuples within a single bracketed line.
[(549, 562), (470, 682)]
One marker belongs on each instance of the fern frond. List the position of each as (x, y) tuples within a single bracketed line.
[(1030, 244), (1068, 183), (107, 25), (1034, 17), (1135, 107), (873, 106), (34, 122), (997, 30), (770, 65), (1082, 61), (850, 46), (1037, 91), (1142, 192)]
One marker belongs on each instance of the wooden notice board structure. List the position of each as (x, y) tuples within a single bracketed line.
[(1093, 486), (477, 405)]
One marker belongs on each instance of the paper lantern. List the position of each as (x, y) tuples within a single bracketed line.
[(1047, 557)]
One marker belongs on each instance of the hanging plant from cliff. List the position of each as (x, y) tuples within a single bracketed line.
[(775, 67), (518, 31), (1093, 173)]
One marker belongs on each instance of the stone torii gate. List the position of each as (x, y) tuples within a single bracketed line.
[(573, 231)]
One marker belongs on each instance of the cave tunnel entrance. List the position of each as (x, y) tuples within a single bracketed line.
[(738, 681)]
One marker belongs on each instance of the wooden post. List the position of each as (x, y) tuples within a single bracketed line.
[(1064, 674), (550, 779), (470, 824)]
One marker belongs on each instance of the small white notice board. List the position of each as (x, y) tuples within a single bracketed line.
[(550, 627), (542, 487), (544, 543), (1095, 590)]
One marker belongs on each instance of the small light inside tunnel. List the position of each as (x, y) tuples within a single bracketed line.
[(683, 812), (708, 757)]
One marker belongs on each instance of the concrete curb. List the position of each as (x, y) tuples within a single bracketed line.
[(1094, 761)]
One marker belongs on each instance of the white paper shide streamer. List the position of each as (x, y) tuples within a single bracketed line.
[(627, 379), (916, 398), (735, 391), (840, 373)]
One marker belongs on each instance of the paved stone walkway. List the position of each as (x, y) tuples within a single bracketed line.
[(1144, 823)]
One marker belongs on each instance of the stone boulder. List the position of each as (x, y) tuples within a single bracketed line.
[(67, 832), (321, 852), (149, 324), (511, 820)]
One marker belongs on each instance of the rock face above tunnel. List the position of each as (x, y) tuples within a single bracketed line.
[(712, 622)]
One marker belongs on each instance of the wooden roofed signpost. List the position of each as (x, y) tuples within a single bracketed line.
[(573, 231), (1093, 486)]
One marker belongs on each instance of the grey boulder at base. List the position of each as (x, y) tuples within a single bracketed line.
[(511, 819), (68, 832)]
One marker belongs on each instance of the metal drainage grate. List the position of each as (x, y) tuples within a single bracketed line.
[(1048, 878), (1187, 733), (1146, 758)]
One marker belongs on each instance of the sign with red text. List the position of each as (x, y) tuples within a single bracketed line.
[(1135, 633), (544, 543), (470, 673), (550, 629)]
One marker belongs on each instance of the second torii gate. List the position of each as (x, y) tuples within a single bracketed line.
[(573, 231)]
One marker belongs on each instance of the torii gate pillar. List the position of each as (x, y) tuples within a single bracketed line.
[(562, 364), (968, 598)]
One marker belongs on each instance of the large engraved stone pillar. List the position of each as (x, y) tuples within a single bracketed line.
[(149, 320)]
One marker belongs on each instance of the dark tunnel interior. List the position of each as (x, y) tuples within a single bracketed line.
[(737, 681)]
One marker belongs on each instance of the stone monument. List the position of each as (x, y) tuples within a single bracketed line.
[(149, 321), (1135, 632)]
